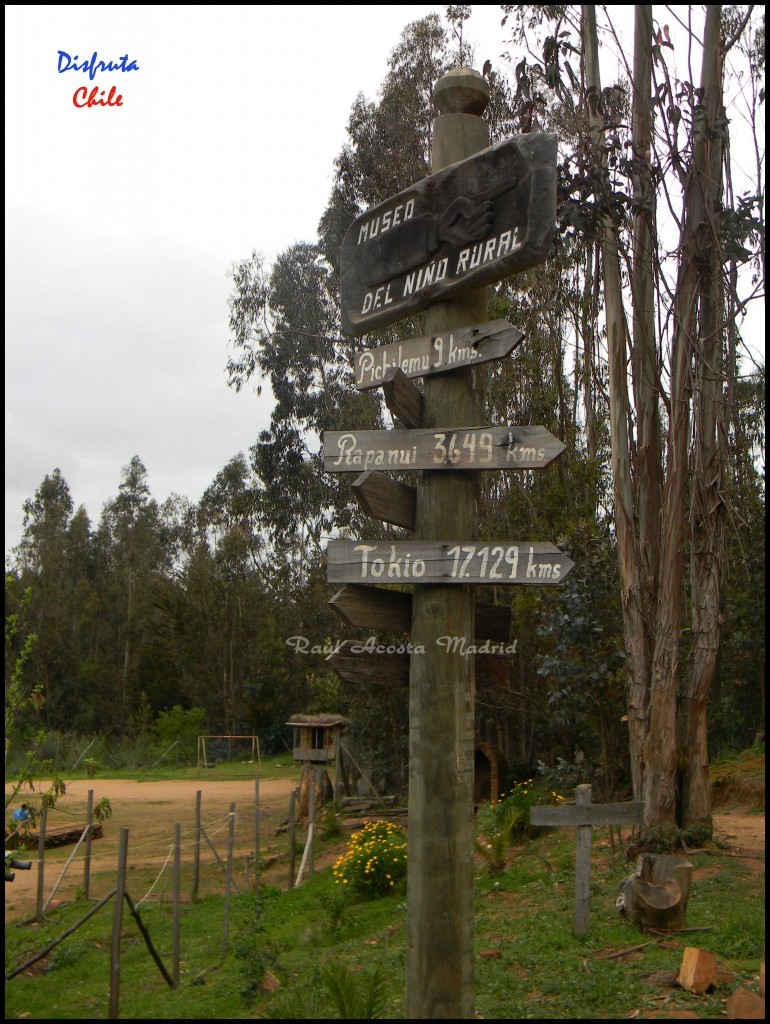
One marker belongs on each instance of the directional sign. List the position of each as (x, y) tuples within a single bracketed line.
[(470, 224), (437, 353), (356, 451), (382, 497), (365, 607), (398, 562), (386, 665)]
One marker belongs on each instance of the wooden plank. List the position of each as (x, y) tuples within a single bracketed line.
[(440, 448), (574, 815), (382, 497), (402, 398), (399, 562), (468, 225), (374, 608), (369, 662), (366, 607), (437, 353)]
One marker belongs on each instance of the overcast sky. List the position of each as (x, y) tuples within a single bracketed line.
[(121, 222)]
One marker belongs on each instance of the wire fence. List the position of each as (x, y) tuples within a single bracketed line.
[(207, 849)]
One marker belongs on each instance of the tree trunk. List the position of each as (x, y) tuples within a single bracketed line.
[(707, 513), (634, 629)]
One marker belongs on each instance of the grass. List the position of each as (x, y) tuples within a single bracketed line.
[(331, 956), (277, 767), (338, 957)]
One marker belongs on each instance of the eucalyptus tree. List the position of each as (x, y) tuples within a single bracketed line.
[(133, 556), (653, 147)]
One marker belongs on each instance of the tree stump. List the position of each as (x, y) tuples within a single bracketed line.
[(656, 894), (317, 776)]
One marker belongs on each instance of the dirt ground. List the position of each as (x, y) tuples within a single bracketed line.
[(149, 811)]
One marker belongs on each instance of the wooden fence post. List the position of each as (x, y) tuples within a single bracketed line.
[(256, 833), (176, 902), (228, 876), (117, 925), (87, 858), (197, 848), (311, 829), (292, 839), (41, 863)]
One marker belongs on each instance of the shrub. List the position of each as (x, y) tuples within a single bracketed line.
[(374, 861), (501, 821)]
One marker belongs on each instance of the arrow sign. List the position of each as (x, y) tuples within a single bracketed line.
[(470, 224), (437, 353), (398, 562), (349, 451), (377, 608)]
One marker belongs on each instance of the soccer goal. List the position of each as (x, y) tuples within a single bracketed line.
[(213, 750)]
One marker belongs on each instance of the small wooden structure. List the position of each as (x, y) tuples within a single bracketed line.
[(316, 737), (317, 744)]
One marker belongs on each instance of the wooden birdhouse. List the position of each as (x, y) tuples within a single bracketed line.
[(316, 737)]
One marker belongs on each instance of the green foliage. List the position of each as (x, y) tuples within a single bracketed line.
[(183, 724), (375, 860), (338, 993), (499, 823)]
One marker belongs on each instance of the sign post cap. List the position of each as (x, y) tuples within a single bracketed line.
[(461, 91)]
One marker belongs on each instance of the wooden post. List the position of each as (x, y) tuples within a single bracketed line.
[(292, 839), (197, 847), (582, 866), (175, 914), (311, 828), (41, 863), (228, 876), (87, 857), (256, 833), (117, 925), (439, 956)]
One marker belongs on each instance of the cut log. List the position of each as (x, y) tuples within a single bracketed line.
[(698, 972), (745, 1005), (53, 836), (314, 775), (656, 895)]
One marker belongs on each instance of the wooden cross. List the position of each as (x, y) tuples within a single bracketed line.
[(584, 815)]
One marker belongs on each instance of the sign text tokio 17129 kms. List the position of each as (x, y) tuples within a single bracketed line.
[(479, 448), (497, 562), (471, 224)]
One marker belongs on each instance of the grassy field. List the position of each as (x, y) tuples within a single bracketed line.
[(329, 952)]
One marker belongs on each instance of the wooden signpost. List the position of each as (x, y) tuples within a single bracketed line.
[(438, 353), (583, 815), (484, 213), (477, 448)]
